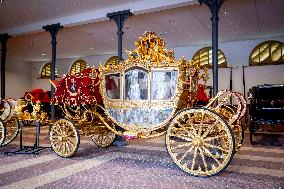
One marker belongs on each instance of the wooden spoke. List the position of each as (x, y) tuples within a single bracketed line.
[(56, 143), (193, 126), (194, 158), (203, 159), (215, 147), (58, 146), (58, 130), (213, 138), (200, 127), (181, 145), (211, 155), (184, 137), (72, 143), (67, 147), (185, 154), (185, 130), (209, 129), (64, 147)]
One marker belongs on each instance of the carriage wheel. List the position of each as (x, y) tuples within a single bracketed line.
[(2, 133), (200, 142), (64, 138), (12, 130), (102, 137)]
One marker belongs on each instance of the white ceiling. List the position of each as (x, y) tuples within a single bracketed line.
[(15, 13), (238, 20)]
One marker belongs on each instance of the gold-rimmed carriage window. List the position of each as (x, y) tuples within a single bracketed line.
[(112, 85), (268, 52), (204, 58), (112, 61), (46, 71), (136, 85), (78, 66), (163, 84)]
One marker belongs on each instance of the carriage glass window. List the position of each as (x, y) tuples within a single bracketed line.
[(112, 85), (136, 85), (163, 84)]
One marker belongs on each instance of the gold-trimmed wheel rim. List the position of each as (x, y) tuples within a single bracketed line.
[(238, 134), (200, 142), (2, 133), (12, 130), (64, 138), (102, 137), (227, 112), (5, 112)]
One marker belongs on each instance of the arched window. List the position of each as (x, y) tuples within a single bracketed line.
[(78, 66), (204, 57), (112, 61), (268, 52), (46, 71)]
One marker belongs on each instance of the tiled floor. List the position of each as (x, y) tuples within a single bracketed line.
[(141, 164)]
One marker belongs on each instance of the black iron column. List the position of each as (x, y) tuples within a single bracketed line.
[(244, 81), (4, 38), (214, 6), (231, 83), (119, 17), (53, 30)]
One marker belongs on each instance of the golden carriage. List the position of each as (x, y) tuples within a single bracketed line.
[(147, 96)]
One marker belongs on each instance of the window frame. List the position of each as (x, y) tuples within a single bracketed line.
[(112, 61), (268, 60), (44, 72), (208, 65), (81, 64)]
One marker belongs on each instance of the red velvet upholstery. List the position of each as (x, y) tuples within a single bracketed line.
[(38, 95), (201, 95), (78, 89)]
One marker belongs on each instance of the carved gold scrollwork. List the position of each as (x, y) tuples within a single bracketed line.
[(151, 48), (36, 115)]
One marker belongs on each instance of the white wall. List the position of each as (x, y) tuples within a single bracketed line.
[(18, 78), (237, 54)]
